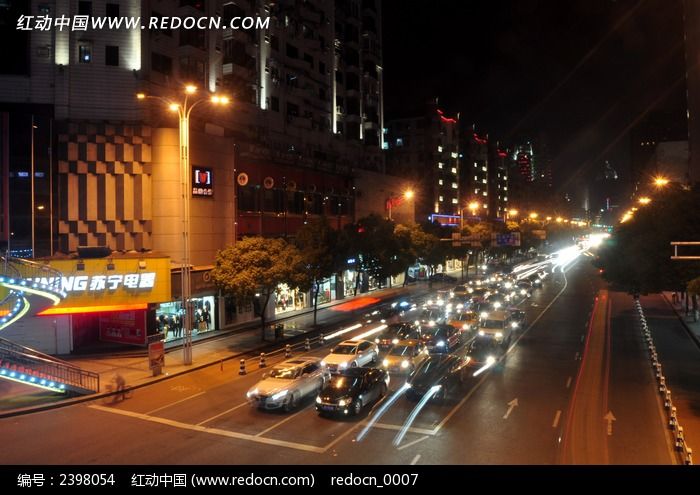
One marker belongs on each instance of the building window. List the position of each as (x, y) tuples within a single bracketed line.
[(274, 43), (454, 170), (440, 165), (440, 182), (399, 142), (322, 68), (439, 149), (112, 55), (484, 169), (292, 51), (85, 51), (292, 110), (161, 63), (112, 10), (454, 185), (309, 60), (485, 193), (84, 8), (483, 180), (454, 201), (476, 178), (453, 155), (274, 104), (440, 198)]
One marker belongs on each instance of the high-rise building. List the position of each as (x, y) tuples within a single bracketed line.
[(425, 149)]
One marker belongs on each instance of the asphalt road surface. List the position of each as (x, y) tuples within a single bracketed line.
[(519, 412)]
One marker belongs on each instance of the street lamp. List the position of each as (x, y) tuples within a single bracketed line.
[(473, 206), (660, 181), (407, 195), (184, 109), (644, 200), (533, 216)]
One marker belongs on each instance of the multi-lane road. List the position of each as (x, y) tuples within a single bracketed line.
[(547, 402)]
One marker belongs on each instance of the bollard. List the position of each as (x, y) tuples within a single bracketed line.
[(689, 456), (667, 399), (287, 351), (307, 345), (221, 365), (241, 370), (262, 360), (320, 338)]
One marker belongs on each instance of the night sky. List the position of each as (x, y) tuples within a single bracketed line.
[(576, 73)]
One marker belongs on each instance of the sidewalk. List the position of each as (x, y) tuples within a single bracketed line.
[(690, 323), (221, 349)]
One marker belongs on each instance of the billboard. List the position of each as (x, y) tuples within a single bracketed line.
[(509, 239)]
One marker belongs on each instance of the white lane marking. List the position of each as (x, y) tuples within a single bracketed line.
[(511, 405), (221, 414), (280, 423), (568, 382), (411, 429), (415, 460), (211, 431), (555, 423), (413, 442), (350, 430), (174, 403)]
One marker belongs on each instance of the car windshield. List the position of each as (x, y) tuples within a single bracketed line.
[(492, 324), (345, 349), (460, 288), (466, 317), (285, 373), (482, 348), (433, 367), (437, 332), (345, 382), (402, 350), (393, 331)]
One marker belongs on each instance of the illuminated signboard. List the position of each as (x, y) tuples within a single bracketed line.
[(202, 181), (93, 283)]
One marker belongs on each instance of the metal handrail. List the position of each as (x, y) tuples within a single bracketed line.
[(32, 270), (55, 368)]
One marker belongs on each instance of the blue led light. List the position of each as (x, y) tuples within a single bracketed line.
[(3, 372), (12, 375), (43, 382), (32, 379), (52, 384), (22, 376)]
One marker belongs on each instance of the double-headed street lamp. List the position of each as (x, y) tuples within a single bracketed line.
[(184, 109), (473, 206)]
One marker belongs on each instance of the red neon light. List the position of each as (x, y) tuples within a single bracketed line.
[(92, 309), (358, 303), (439, 112), (480, 140), (446, 120), (502, 154)]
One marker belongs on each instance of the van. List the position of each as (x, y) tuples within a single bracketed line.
[(499, 325)]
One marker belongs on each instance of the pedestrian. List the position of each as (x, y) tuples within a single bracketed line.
[(120, 387)]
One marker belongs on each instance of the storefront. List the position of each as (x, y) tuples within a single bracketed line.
[(288, 299), (170, 317), (327, 290), (108, 300)]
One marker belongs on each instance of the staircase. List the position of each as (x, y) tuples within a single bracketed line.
[(34, 287)]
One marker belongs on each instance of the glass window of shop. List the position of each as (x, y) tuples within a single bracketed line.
[(287, 299), (326, 290), (171, 320)]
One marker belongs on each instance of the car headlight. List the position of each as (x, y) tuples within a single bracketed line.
[(514, 324), (523, 292), (279, 395), (376, 341), (499, 335), (484, 315), (490, 360), (385, 363), (441, 343), (482, 333), (465, 327), (395, 341), (344, 402), (496, 305), (252, 393), (343, 365), (405, 364), (318, 400), (469, 358), (323, 363), (460, 306)]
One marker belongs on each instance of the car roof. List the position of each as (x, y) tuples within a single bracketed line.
[(300, 361), (357, 371), (409, 342), (353, 342)]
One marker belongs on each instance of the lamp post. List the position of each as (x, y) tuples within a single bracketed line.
[(473, 206), (399, 199), (184, 109)]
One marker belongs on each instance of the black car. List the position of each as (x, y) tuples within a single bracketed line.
[(395, 333), (441, 337), (519, 316), (349, 391), (442, 277), (440, 373)]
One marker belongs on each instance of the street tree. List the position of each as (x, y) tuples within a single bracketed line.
[(252, 269), (318, 244)]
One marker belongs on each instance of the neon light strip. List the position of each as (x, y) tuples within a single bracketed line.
[(92, 309), (19, 315), (6, 374), (37, 292), (341, 332)]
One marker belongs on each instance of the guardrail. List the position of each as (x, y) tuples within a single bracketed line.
[(681, 445)]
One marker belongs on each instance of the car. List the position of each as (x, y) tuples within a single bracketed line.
[(405, 356), (498, 325), (442, 277), (431, 316), (466, 321), (518, 316), (440, 337), (394, 333), (482, 352), (460, 291), (438, 374), (351, 390), (287, 383), (351, 354)]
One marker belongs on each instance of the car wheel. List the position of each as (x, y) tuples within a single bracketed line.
[(353, 364), (291, 403), (357, 408)]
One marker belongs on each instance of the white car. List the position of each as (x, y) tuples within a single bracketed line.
[(350, 354), (287, 383)]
